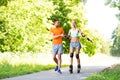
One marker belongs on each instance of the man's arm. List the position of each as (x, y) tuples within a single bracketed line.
[(53, 36)]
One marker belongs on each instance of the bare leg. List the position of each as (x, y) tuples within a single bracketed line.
[(55, 59), (78, 61), (59, 60), (59, 63), (71, 58)]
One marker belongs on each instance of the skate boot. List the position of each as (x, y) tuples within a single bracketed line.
[(78, 68), (71, 69)]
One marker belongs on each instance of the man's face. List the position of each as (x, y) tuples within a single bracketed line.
[(57, 23)]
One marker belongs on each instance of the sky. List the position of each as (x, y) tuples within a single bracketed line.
[(101, 17)]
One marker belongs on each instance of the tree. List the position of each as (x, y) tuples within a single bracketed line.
[(66, 11), (115, 48), (61, 13), (3, 2), (114, 4), (23, 26)]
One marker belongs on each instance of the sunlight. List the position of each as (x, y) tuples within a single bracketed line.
[(103, 17)]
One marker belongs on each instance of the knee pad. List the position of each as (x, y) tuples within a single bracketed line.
[(71, 55), (77, 56)]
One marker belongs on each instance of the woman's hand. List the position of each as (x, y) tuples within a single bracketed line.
[(67, 37)]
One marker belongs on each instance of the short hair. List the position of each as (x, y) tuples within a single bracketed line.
[(55, 20)]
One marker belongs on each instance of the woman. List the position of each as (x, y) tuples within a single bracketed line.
[(75, 44)]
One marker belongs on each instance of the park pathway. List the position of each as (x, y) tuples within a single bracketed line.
[(89, 66)]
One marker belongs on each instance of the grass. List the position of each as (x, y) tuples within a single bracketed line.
[(14, 65), (111, 73)]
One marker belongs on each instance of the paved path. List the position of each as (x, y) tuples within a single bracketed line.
[(51, 75), (90, 66)]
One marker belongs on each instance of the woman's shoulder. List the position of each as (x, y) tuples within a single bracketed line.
[(78, 29)]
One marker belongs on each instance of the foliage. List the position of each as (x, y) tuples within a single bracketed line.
[(77, 14), (3, 2), (61, 13), (24, 24), (115, 49), (66, 11), (112, 73), (114, 4)]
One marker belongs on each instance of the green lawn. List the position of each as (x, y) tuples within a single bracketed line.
[(8, 70), (14, 65), (112, 73)]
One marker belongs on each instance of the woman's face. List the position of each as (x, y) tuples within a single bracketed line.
[(73, 23)]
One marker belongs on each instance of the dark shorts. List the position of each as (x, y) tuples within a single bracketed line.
[(57, 48), (75, 45)]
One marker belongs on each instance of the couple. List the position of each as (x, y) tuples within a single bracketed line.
[(57, 33)]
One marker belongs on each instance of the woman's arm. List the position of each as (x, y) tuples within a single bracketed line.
[(83, 35), (67, 36)]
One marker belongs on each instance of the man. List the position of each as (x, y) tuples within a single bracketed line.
[(57, 33)]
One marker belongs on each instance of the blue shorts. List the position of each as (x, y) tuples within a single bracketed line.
[(57, 48), (75, 45)]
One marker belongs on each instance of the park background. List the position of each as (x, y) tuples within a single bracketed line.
[(25, 24)]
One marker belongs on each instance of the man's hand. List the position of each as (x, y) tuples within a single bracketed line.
[(62, 35), (67, 37)]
